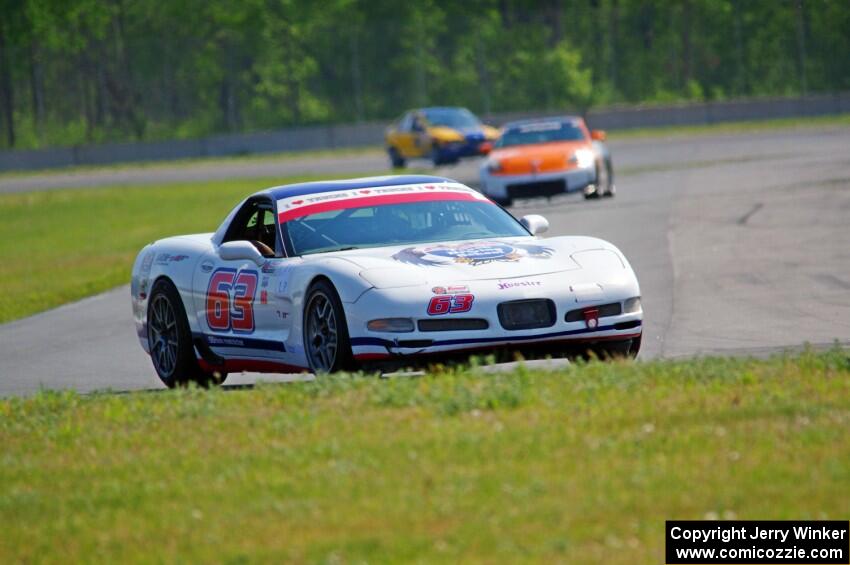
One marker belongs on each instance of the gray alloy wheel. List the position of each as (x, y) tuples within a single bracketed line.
[(170, 340), (325, 332), (163, 336)]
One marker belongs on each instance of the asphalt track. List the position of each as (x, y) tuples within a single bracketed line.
[(741, 244)]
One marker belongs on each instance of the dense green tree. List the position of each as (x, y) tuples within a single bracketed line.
[(84, 71)]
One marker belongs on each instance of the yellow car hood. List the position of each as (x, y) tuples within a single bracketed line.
[(444, 134)]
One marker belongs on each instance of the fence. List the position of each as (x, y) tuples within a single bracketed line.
[(365, 134)]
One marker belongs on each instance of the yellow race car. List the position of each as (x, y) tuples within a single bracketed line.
[(442, 134)]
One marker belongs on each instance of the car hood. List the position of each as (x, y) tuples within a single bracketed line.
[(469, 261), (538, 158)]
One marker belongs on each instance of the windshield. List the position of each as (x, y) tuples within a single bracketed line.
[(457, 118), (541, 132), (398, 224)]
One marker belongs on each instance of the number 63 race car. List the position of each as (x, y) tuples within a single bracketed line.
[(329, 276)]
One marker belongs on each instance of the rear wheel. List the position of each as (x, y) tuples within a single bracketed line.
[(170, 340), (326, 340)]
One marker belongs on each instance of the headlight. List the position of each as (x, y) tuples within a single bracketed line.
[(494, 165), (583, 158), (396, 325), (632, 305)]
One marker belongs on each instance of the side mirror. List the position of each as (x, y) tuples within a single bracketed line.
[(598, 135), (240, 250), (535, 224)]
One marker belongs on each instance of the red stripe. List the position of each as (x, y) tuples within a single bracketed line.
[(380, 200), (371, 356), (251, 365)]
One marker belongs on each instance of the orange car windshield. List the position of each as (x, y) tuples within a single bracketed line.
[(541, 132)]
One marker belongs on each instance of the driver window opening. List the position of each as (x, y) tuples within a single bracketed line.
[(255, 223)]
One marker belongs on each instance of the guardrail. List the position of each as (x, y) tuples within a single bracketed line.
[(371, 133)]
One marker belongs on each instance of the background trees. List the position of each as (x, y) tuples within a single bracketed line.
[(82, 71)]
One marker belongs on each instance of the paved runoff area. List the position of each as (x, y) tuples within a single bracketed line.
[(741, 244)]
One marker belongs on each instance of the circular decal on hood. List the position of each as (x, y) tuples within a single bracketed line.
[(473, 253)]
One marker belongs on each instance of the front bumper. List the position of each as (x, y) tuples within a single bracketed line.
[(540, 184), (452, 151), (557, 339)]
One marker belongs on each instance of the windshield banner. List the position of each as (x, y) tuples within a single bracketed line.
[(305, 205)]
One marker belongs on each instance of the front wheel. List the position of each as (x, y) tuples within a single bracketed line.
[(326, 340), (617, 349), (605, 178), (170, 340), (396, 160)]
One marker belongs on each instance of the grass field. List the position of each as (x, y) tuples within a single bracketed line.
[(581, 465), (745, 126), (60, 246)]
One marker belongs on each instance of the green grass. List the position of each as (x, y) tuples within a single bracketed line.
[(581, 465), (746, 126), (188, 162), (59, 246)]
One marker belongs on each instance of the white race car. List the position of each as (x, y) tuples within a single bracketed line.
[(329, 276)]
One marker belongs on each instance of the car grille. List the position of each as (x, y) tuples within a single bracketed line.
[(540, 188), (527, 314), (613, 309), (456, 325)]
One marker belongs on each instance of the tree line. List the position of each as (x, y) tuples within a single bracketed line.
[(87, 71)]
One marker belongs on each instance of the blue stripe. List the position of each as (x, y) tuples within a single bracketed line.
[(303, 188), (389, 343), (240, 342)]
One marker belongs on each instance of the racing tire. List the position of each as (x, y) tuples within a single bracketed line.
[(605, 179), (591, 193), (438, 160), (634, 349), (396, 160), (170, 340), (326, 342)]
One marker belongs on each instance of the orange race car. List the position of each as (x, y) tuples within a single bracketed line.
[(545, 157)]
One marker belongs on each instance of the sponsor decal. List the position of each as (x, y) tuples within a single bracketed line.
[(247, 343), (264, 297), (147, 262), (450, 304), (268, 267), (166, 258), (473, 253), (453, 289), (338, 200), (264, 283), (517, 284), (215, 340), (285, 273), (207, 266)]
